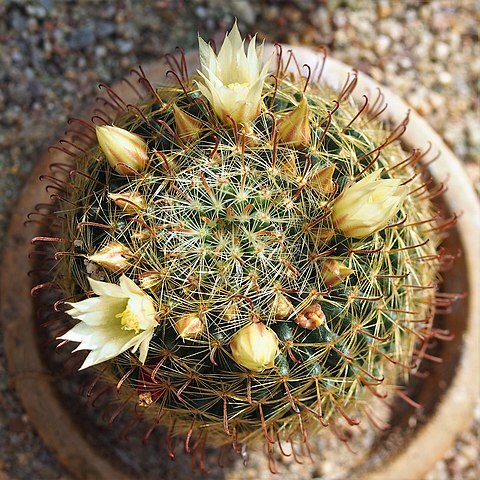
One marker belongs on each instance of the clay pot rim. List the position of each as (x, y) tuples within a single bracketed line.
[(52, 419)]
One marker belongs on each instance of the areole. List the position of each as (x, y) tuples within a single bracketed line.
[(63, 433)]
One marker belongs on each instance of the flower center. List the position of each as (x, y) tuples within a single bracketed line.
[(237, 87), (128, 320)]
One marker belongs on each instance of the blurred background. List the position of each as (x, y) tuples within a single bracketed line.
[(53, 55)]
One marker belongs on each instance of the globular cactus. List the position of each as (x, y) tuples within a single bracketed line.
[(248, 256)]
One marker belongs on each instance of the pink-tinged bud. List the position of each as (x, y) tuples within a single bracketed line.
[(282, 307), (255, 347), (294, 127), (231, 312), (125, 151), (190, 325), (187, 127), (114, 257), (333, 273), (129, 202), (321, 234), (322, 179), (365, 207), (311, 317)]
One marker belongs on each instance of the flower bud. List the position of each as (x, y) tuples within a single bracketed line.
[(322, 179), (320, 234), (125, 151), (255, 347), (129, 202), (189, 325), (114, 257), (333, 273), (282, 307), (366, 206), (311, 317), (294, 127), (231, 312), (187, 127)]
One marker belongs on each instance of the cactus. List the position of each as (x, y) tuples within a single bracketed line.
[(263, 254)]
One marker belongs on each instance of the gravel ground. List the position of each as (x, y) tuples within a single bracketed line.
[(53, 54)]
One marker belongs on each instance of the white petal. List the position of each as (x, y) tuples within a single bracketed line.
[(100, 318), (98, 310), (144, 346), (78, 333), (108, 351), (105, 288), (129, 287)]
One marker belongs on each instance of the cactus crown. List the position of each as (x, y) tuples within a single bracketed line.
[(277, 260)]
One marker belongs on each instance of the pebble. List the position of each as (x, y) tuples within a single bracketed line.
[(82, 38)]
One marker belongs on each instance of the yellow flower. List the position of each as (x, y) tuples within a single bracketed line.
[(255, 347), (125, 151), (367, 206), (121, 318), (233, 81)]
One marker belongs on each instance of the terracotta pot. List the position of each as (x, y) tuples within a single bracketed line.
[(448, 395)]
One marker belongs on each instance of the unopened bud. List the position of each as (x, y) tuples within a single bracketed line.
[(168, 163), (255, 347), (367, 206), (322, 179), (114, 256), (188, 128), (125, 151), (333, 273), (282, 307), (231, 312), (294, 127), (311, 317), (128, 202), (189, 325), (320, 234)]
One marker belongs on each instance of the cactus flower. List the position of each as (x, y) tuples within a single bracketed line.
[(114, 257), (120, 318), (232, 81), (255, 347), (367, 206), (125, 151)]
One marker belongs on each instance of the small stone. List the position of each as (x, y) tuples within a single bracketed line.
[(82, 38), (124, 46), (382, 44), (442, 51), (445, 78)]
